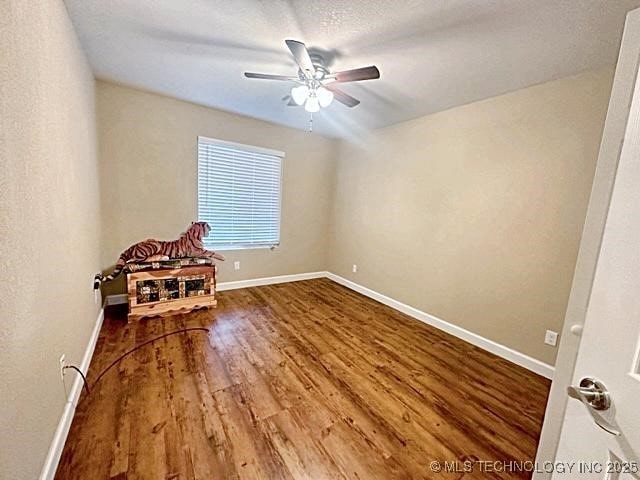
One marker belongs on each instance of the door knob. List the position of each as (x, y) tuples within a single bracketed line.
[(576, 330), (595, 396)]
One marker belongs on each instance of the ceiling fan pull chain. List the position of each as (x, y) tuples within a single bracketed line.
[(310, 122)]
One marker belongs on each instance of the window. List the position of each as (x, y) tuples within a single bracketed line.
[(239, 192)]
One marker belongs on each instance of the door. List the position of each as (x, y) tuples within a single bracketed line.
[(600, 436)]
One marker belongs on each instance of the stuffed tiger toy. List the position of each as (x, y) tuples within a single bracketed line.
[(188, 245)]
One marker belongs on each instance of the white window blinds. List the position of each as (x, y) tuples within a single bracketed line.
[(239, 190)]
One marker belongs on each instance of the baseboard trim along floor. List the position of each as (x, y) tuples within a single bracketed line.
[(498, 349), (256, 282), (59, 438), (253, 282)]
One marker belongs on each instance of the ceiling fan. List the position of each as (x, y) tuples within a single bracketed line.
[(316, 85)]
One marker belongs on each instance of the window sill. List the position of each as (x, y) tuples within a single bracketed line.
[(238, 247)]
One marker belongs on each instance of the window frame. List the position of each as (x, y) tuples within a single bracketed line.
[(250, 149)]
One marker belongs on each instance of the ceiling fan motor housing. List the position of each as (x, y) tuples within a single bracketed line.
[(320, 66)]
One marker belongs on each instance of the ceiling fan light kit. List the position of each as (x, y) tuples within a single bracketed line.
[(316, 85), (312, 97), (312, 105), (300, 94), (325, 96)]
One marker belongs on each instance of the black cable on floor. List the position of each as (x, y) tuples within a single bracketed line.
[(84, 379), (129, 352), (117, 360)]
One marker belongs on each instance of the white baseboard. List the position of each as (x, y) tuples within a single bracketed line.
[(117, 299), (502, 351), (59, 438), (256, 282), (507, 353), (222, 286)]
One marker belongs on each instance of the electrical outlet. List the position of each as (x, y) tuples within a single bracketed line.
[(63, 363), (551, 338), (354, 269), (236, 265), (97, 295)]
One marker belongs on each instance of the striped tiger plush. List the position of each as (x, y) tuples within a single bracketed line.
[(188, 245)]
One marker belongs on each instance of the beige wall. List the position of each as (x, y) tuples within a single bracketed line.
[(49, 224), (148, 172), (474, 214)]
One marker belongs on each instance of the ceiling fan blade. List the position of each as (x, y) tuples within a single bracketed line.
[(364, 73), (266, 76), (301, 56), (342, 97)]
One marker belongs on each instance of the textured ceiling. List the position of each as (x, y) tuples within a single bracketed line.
[(432, 55)]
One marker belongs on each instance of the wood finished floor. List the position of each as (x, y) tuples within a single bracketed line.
[(304, 380)]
